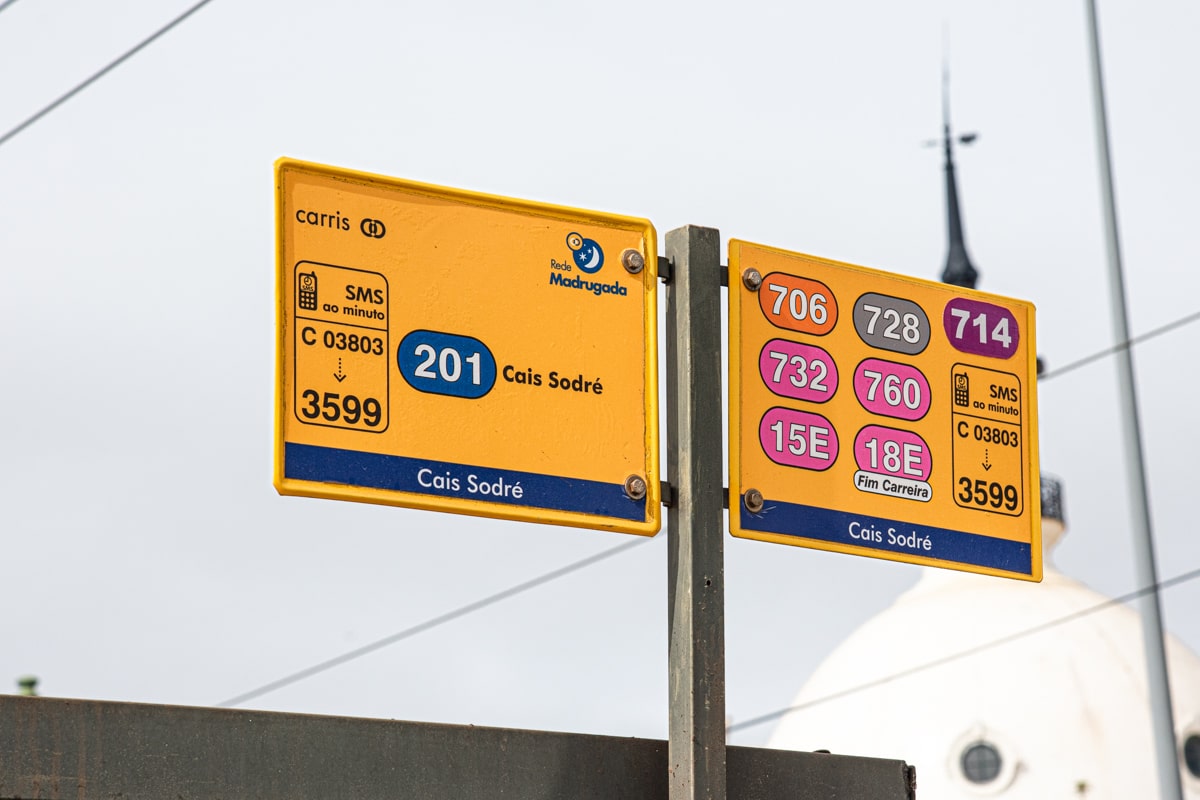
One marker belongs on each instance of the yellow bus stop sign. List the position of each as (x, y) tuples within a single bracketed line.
[(881, 415), (453, 351)]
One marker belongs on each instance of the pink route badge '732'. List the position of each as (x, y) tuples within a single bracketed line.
[(881, 415), (453, 351)]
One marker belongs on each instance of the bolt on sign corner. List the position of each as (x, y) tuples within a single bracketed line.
[(881, 415), (453, 351)]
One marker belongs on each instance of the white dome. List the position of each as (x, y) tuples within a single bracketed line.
[(1063, 708)]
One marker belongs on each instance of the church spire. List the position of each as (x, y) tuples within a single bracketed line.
[(958, 271)]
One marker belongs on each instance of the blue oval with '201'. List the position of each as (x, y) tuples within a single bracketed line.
[(446, 363)]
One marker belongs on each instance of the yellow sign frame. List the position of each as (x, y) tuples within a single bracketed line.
[(448, 350), (843, 438)]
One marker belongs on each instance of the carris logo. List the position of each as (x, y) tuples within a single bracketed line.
[(372, 227)]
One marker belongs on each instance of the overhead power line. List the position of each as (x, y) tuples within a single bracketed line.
[(97, 76), (461, 611), (970, 651), (1170, 326)]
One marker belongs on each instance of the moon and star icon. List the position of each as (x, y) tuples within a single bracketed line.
[(586, 252)]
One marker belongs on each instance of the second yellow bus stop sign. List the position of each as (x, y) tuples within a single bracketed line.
[(453, 351), (882, 416)]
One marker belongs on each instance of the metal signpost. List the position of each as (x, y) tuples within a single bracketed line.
[(882, 416), (695, 532), (453, 351)]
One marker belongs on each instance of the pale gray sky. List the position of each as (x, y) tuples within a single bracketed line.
[(148, 557)]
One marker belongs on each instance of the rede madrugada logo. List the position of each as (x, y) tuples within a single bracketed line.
[(589, 258)]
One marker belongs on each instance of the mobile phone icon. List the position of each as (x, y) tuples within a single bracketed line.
[(962, 394), (307, 290)]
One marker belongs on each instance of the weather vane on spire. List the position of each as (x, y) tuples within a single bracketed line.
[(959, 270)]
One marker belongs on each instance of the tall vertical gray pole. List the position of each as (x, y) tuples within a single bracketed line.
[(695, 520), (1143, 539)]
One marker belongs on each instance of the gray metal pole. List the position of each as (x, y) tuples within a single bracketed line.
[(695, 520), (1143, 539)]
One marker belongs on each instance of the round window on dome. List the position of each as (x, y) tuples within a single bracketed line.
[(1191, 754), (981, 762)]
